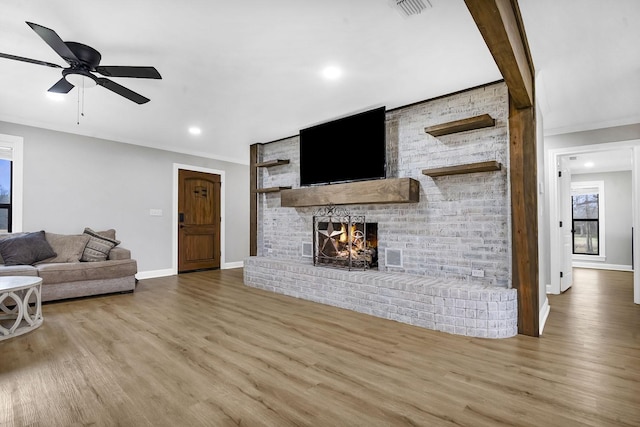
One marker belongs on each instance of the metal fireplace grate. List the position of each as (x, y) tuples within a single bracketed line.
[(343, 240)]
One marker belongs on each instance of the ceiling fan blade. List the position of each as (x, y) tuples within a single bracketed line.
[(62, 86), (122, 91), (32, 61), (55, 42), (136, 72)]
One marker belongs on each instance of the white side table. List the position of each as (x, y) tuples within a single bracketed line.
[(23, 294)]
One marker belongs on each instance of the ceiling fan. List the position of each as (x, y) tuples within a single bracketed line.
[(84, 60)]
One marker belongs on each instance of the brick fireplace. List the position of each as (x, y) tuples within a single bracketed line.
[(460, 226), (461, 223)]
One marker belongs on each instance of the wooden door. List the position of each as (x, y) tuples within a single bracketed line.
[(198, 221)]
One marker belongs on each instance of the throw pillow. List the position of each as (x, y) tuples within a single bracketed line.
[(26, 249), (9, 236), (109, 234), (98, 246), (69, 248)]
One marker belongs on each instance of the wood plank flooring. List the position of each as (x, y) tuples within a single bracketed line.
[(202, 349)]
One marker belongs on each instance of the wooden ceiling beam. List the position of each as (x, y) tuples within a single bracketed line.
[(500, 24)]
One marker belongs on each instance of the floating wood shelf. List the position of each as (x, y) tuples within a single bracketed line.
[(391, 190), (466, 168), (477, 122), (275, 162), (271, 189)]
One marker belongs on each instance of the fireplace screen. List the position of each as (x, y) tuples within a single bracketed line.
[(343, 240)]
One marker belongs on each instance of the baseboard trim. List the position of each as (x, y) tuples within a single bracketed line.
[(155, 273), (237, 264), (598, 266), (171, 272), (544, 314)]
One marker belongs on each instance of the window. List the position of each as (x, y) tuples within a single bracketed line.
[(588, 223), (10, 183), (5, 195)]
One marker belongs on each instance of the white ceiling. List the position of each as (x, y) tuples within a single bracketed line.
[(601, 161), (587, 58), (250, 71)]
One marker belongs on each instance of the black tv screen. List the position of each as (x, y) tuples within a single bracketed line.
[(352, 148)]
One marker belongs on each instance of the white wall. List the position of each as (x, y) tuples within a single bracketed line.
[(543, 225), (618, 220), (72, 182)]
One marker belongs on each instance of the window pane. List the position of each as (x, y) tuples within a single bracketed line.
[(5, 181), (585, 206), (4, 220), (585, 237)]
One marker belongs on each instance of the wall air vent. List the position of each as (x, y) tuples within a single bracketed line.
[(307, 250), (393, 257), (411, 7)]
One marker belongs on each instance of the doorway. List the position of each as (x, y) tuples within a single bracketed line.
[(557, 239), (198, 214)]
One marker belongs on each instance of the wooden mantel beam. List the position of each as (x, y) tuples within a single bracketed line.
[(501, 27)]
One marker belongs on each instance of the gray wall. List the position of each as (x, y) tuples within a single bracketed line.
[(72, 182), (462, 222), (618, 214)]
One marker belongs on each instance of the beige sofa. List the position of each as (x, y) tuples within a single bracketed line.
[(71, 266)]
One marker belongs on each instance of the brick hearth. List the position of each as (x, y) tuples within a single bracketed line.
[(433, 303)]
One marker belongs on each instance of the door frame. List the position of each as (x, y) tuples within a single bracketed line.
[(174, 213), (553, 156)]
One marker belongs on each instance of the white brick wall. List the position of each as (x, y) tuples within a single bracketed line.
[(461, 223)]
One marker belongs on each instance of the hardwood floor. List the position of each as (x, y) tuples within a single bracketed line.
[(201, 349)]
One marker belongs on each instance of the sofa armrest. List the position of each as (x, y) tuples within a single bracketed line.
[(119, 253)]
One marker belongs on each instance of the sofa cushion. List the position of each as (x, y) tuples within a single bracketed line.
[(98, 247), (26, 249), (18, 270), (81, 271), (68, 247)]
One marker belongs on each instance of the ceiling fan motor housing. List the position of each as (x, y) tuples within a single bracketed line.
[(89, 60), (88, 56)]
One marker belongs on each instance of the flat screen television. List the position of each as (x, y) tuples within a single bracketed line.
[(351, 148)]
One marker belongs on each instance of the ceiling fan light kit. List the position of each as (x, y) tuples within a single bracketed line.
[(83, 61)]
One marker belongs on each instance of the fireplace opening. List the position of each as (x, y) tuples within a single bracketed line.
[(343, 240)]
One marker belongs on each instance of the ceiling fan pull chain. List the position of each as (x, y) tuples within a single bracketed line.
[(78, 110), (82, 111)]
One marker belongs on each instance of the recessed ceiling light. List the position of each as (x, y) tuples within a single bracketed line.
[(331, 72), (193, 130), (55, 96), (589, 165)]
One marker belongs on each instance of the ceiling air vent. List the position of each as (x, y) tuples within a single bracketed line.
[(412, 7)]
